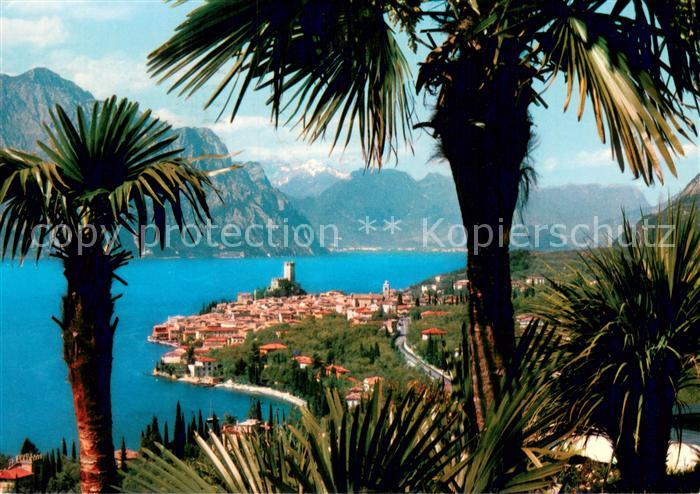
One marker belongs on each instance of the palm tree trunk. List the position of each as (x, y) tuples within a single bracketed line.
[(487, 211), (484, 129), (88, 336), (642, 457)]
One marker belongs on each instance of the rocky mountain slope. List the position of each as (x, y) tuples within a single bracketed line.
[(685, 199), (428, 212), (306, 179), (247, 196)]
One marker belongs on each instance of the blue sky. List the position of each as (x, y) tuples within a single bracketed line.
[(102, 46)]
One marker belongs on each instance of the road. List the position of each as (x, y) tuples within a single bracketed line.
[(402, 327)]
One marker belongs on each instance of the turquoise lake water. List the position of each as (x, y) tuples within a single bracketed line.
[(35, 398)]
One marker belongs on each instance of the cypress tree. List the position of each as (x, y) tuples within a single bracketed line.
[(59, 463), (155, 430), (45, 473), (73, 453), (122, 456), (200, 425), (270, 417), (179, 433), (52, 464), (192, 429), (146, 438), (28, 447), (64, 447), (166, 436), (215, 424)]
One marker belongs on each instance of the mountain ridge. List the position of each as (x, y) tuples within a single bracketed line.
[(429, 214), (248, 196)]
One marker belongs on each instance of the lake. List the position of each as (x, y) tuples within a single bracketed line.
[(35, 398)]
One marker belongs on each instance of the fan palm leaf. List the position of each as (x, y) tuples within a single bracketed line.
[(104, 171), (337, 63)]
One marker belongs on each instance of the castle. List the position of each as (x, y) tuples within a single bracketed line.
[(289, 275)]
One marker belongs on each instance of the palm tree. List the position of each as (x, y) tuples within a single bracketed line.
[(339, 64), (106, 172), (633, 318)]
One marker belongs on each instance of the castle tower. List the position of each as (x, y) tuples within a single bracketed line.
[(386, 289), (289, 271)]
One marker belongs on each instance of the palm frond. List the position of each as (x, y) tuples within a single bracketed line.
[(632, 317), (641, 113), (31, 202), (168, 473), (108, 169), (326, 64), (529, 417)]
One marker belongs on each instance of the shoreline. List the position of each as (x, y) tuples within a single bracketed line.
[(247, 389), (263, 391)]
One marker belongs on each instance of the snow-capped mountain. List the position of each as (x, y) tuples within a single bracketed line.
[(306, 179)]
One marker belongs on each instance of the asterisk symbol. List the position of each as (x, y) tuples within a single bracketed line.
[(367, 225), (392, 225)]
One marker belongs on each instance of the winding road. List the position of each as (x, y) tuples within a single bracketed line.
[(412, 359)]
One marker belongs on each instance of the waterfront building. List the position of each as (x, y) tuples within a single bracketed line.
[(336, 370), (535, 280), (15, 479), (460, 284), (353, 399), (173, 357), (204, 368)]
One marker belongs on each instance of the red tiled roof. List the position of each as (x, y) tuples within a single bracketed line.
[(303, 359), (338, 369), (14, 473), (434, 331), (272, 346), (434, 313), (205, 359)]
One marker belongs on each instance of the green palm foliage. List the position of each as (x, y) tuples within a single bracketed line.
[(335, 60), (414, 442), (632, 318), (104, 171)]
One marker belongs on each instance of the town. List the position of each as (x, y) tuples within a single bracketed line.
[(229, 323)]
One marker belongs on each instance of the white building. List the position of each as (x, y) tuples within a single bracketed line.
[(203, 367)]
